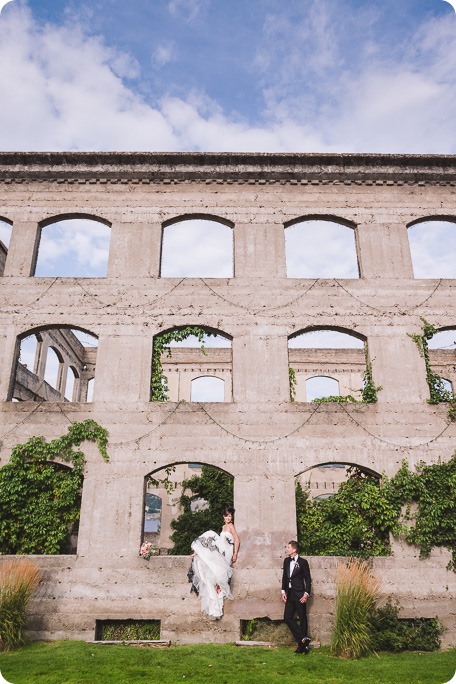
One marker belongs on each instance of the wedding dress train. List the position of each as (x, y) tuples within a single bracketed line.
[(212, 570)]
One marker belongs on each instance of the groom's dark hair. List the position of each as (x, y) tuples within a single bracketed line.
[(294, 545)]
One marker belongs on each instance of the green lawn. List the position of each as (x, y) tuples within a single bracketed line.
[(74, 662)]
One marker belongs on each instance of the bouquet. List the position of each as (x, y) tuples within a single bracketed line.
[(147, 550)]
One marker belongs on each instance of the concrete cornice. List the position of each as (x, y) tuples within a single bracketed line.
[(226, 166)]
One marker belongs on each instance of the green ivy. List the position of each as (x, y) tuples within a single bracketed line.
[(433, 488), (166, 482), (335, 398), (40, 500), (159, 384), (216, 488), (293, 383), (355, 521), (368, 391), (437, 392), (358, 519)]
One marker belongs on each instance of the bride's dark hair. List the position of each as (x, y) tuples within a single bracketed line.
[(228, 509)]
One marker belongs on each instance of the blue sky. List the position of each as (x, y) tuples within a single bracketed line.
[(209, 75)]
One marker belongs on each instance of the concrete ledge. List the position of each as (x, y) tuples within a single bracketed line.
[(265, 644), (269, 644), (150, 643)]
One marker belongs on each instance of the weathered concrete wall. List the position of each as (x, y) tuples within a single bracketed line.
[(260, 437), (76, 593)]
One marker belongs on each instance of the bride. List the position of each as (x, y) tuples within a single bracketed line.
[(213, 557)]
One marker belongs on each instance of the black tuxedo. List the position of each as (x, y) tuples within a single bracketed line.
[(295, 587)]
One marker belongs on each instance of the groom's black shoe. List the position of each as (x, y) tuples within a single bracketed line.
[(304, 646)]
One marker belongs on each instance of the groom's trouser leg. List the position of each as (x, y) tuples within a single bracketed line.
[(293, 606), (302, 615)]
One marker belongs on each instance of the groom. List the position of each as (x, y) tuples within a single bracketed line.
[(296, 585)]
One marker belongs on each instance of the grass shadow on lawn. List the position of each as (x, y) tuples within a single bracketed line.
[(75, 662)]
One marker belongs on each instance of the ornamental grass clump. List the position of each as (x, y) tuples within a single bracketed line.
[(357, 591), (18, 579)]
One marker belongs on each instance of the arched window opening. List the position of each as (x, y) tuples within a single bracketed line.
[(187, 499), (317, 248), (323, 479), (71, 380), (182, 356), (321, 386), (444, 339), (208, 388), (29, 351), (55, 364), (76, 248), (197, 248), (333, 518), (433, 248), (52, 368), (326, 363), (442, 357), (5, 237)]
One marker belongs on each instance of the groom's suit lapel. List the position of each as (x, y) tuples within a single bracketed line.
[(296, 566)]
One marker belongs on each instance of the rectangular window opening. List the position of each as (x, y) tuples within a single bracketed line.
[(127, 630), (264, 629)]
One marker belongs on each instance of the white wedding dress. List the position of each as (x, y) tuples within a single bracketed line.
[(212, 570)]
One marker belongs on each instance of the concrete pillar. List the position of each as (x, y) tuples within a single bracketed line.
[(61, 379), (259, 250), (397, 367), (111, 513), (135, 250), (260, 368), (123, 368), (23, 248), (8, 350), (265, 514), (383, 249)]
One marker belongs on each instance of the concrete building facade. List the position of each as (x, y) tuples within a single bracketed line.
[(256, 434)]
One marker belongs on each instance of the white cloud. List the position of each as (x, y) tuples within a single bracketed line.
[(197, 248), (66, 90), (320, 249), (189, 10), (64, 93), (426, 240), (74, 247), (164, 53)]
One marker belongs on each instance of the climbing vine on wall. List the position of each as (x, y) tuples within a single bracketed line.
[(39, 499), (335, 399), (438, 394), (293, 383), (159, 390), (368, 391), (358, 519), (355, 521), (433, 489)]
